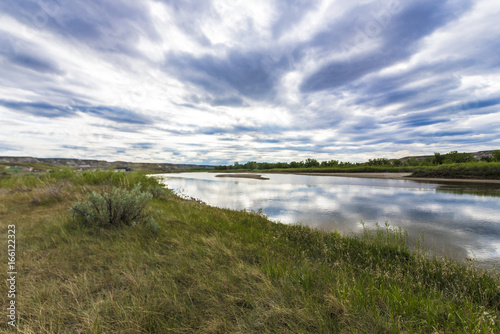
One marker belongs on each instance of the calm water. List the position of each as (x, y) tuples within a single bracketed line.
[(458, 220)]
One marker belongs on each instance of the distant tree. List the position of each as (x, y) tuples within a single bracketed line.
[(331, 163), (251, 165), (265, 165), (378, 162), (282, 165), (429, 161), (311, 163), (295, 164), (411, 162), (455, 157), (496, 155), (397, 163), (438, 158)]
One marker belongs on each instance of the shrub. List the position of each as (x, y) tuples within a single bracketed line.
[(496, 155), (158, 192), (114, 209), (474, 170)]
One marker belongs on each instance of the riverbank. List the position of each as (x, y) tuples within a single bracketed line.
[(212, 270), (472, 171), (400, 176)]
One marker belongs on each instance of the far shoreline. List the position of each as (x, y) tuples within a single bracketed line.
[(383, 176), (400, 176)]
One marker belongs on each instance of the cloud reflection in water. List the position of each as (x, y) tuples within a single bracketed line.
[(455, 224)]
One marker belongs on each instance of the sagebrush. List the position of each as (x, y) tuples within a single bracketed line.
[(115, 208)]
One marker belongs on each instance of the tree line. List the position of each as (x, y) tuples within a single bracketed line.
[(453, 157)]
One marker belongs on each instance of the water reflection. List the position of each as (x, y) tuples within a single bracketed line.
[(455, 220)]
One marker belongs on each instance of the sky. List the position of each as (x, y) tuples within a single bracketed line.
[(219, 81)]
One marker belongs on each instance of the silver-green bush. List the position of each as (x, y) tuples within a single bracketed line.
[(116, 208)]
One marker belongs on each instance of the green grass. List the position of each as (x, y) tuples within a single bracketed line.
[(359, 169), (211, 270), (472, 170)]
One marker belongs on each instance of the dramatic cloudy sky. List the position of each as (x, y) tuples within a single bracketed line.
[(220, 81)]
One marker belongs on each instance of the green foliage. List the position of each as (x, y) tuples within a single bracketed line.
[(397, 163), (295, 164), (114, 209), (455, 157), (438, 158), (335, 166), (331, 163), (378, 162), (92, 178), (311, 163), (411, 162), (496, 156), (349, 169), (472, 170)]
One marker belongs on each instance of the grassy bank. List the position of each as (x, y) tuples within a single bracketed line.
[(361, 169), (211, 270), (473, 170)]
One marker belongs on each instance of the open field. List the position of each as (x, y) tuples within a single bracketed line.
[(211, 270)]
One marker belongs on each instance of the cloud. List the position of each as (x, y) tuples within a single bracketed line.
[(253, 75), (116, 114), (142, 146), (40, 109), (218, 81), (291, 13), (106, 26), (396, 33), (189, 16), (25, 55), (71, 147), (46, 110), (6, 147)]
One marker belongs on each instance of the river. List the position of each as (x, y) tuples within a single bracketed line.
[(457, 220)]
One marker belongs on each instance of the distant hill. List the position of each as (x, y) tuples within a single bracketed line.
[(144, 166), (92, 164)]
